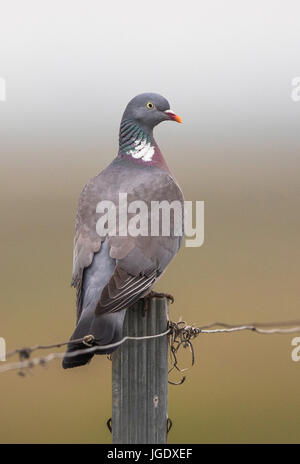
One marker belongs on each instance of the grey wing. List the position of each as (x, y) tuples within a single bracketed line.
[(86, 240), (137, 272)]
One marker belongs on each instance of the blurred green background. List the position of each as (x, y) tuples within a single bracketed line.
[(226, 69)]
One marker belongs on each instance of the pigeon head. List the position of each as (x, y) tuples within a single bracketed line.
[(148, 110), (141, 115)]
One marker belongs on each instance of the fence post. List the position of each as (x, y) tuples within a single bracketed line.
[(140, 377)]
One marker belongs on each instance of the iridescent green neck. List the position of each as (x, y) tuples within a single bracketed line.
[(135, 142)]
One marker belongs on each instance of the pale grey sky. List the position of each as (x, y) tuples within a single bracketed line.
[(225, 66)]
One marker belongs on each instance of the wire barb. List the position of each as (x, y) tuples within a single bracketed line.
[(180, 336)]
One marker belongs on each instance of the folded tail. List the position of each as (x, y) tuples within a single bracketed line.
[(106, 329)]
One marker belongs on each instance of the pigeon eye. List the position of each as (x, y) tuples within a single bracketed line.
[(150, 105)]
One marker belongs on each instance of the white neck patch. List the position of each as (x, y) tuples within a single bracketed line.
[(142, 150)]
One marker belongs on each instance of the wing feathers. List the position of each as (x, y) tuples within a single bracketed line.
[(123, 290)]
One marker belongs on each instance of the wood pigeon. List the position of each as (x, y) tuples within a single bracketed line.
[(113, 270)]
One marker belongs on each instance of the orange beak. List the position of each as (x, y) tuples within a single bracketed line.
[(174, 117)]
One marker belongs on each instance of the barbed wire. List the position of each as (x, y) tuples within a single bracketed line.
[(24, 353), (180, 335), (253, 327), (183, 334)]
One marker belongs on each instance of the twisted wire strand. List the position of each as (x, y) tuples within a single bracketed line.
[(180, 335)]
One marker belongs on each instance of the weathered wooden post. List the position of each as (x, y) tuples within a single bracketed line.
[(140, 377)]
